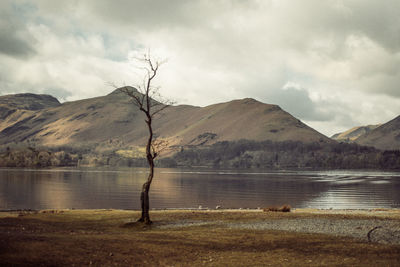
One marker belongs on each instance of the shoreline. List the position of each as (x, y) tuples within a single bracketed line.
[(292, 210)]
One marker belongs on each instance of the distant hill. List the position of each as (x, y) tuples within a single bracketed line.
[(385, 137), (28, 101), (20, 103), (354, 133), (112, 121)]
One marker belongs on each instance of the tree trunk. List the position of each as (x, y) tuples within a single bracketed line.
[(144, 198), (144, 195)]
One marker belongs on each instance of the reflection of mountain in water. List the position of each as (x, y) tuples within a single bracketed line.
[(173, 188), (69, 188), (243, 190)]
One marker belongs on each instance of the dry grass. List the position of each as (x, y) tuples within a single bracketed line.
[(108, 237), (284, 208)]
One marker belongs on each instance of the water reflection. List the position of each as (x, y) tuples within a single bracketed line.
[(174, 188)]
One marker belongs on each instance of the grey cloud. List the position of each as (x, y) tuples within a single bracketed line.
[(297, 102), (13, 46), (15, 40), (379, 20), (130, 15), (383, 84), (164, 14), (60, 93), (144, 13), (302, 25), (295, 23)]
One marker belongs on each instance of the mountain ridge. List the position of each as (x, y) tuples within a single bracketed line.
[(114, 117), (384, 137), (352, 134)]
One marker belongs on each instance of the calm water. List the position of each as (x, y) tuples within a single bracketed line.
[(175, 188)]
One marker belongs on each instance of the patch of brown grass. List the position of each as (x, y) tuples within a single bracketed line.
[(284, 208), (107, 238)]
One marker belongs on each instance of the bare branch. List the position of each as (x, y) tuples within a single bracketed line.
[(158, 146), (159, 110)]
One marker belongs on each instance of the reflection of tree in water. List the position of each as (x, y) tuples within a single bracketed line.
[(40, 189), (34, 189)]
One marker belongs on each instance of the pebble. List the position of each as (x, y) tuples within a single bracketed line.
[(388, 233)]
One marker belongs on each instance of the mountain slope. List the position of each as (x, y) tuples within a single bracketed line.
[(115, 121), (385, 137), (16, 110), (28, 101), (24, 103), (234, 120), (77, 122), (353, 133)]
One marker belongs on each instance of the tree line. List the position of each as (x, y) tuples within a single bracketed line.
[(288, 154), (241, 154)]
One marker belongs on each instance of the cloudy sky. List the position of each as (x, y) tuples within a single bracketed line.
[(333, 64)]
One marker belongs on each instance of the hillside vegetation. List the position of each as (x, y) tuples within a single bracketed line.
[(288, 154), (242, 154)]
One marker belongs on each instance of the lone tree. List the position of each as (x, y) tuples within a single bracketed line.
[(143, 96)]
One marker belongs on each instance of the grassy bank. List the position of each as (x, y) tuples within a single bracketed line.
[(182, 238)]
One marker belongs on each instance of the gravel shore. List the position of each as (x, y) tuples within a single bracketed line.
[(388, 231), (371, 226)]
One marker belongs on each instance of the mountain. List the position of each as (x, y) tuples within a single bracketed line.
[(10, 104), (385, 137), (112, 121), (353, 133), (28, 101)]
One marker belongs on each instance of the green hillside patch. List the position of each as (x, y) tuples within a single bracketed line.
[(137, 152)]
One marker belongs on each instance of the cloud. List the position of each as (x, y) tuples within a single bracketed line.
[(314, 58), (75, 65), (15, 40), (355, 109), (60, 93), (13, 45), (296, 100)]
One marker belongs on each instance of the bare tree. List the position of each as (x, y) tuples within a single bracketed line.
[(144, 97)]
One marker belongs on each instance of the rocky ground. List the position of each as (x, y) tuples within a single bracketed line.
[(382, 226)]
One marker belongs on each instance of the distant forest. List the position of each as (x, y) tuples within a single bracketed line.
[(243, 154), (289, 154)]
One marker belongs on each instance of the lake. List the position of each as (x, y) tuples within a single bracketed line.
[(179, 188)]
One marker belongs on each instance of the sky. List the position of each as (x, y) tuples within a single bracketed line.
[(333, 64)]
